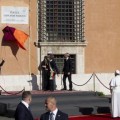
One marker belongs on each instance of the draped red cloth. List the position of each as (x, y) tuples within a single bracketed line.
[(14, 35)]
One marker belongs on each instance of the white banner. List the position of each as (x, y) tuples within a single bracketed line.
[(14, 15)]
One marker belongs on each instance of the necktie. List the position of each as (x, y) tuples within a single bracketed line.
[(51, 116), (29, 108)]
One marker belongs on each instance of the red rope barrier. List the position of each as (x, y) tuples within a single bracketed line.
[(12, 93)]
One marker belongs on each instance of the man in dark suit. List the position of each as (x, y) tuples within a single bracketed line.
[(67, 71), (53, 113), (22, 111)]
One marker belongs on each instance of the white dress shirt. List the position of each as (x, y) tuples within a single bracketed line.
[(54, 113), (26, 104)]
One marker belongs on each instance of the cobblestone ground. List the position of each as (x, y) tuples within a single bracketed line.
[(6, 118)]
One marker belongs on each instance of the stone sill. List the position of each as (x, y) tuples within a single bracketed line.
[(38, 44)]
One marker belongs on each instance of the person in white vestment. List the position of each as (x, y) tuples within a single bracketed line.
[(115, 92)]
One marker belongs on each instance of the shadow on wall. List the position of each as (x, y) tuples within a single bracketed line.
[(12, 45), (34, 82)]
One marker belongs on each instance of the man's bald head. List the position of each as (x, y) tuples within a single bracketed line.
[(52, 100), (50, 103)]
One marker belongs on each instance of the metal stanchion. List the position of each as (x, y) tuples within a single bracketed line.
[(94, 83)]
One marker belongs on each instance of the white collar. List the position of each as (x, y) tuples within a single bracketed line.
[(50, 60), (55, 112), (25, 103), (67, 58)]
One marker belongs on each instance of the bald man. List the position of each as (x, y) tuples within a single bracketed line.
[(53, 113)]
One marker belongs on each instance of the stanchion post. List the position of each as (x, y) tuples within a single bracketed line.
[(94, 83), (40, 71), (61, 81)]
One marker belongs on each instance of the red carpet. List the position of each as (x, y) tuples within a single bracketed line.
[(94, 117)]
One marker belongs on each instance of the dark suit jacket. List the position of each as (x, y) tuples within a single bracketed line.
[(67, 66), (60, 116), (22, 113)]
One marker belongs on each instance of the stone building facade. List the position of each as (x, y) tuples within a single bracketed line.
[(87, 29)]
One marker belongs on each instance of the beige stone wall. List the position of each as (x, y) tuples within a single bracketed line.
[(102, 32), (24, 62)]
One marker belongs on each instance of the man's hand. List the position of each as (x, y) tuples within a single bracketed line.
[(68, 73), (44, 66)]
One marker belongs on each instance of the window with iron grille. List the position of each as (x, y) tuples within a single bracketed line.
[(60, 62), (60, 21)]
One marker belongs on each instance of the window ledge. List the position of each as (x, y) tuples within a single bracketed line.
[(38, 44)]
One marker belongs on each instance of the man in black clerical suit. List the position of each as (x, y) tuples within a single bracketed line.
[(44, 66), (53, 113), (22, 111), (67, 71)]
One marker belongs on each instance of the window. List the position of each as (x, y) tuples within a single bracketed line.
[(60, 61), (64, 13)]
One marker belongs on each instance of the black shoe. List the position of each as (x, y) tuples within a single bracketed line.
[(52, 90), (44, 90), (70, 89), (63, 89)]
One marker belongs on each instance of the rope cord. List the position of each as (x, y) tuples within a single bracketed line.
[(85, 82), (90, 79), (100, 81), (12, 93)]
